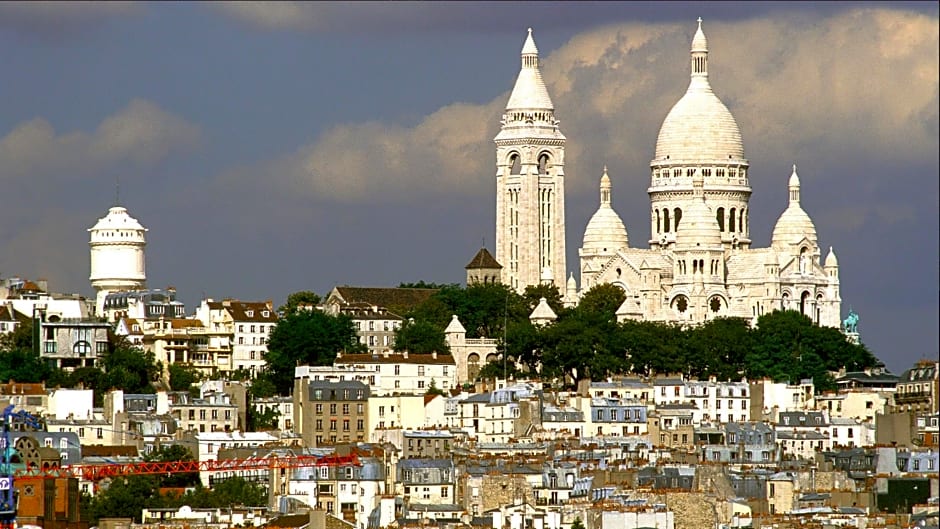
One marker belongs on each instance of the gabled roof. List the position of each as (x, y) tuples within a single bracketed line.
[(483, 260), (396, 300), (246, 310)]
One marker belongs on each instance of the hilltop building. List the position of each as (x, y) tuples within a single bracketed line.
[(117, 255), (701, 262)]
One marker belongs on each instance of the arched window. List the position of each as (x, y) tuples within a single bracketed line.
[(659, 227), (81, 348), (731, 220), (681, 303), (515, 165), (715, 304), (666, 221), (804, 302), (721, 219), (677, 216), (543, 163)]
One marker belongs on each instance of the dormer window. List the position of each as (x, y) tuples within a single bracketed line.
[(266, 313), (250, 313)]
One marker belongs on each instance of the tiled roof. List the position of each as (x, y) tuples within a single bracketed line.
[(397, 300), (247, 310), (109, 450), (483, 259)]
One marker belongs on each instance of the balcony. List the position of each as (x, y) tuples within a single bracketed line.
[(912, 396)]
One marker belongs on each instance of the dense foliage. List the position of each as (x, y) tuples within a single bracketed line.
[(587, 341), (305, 337), (123, 366)]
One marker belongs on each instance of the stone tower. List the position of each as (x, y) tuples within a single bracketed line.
[(117, 255), (530, 182)]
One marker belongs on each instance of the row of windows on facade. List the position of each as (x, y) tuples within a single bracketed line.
[(214, 415), (721, 172), (729, 392), (748, 456), (338, 394), (360, 409), (615, 415), (81, 348), (261, 328), (387, 325), (360, 425), (212, 428), (334, 439)]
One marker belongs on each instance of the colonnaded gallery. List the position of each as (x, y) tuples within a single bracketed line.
[(700, 262)]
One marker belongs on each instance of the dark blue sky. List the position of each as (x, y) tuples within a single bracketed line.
[(271, 148)]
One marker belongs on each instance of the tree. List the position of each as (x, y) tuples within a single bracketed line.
[(262, 420), (534, 293), (171, 453), (23, 365), (420, 337), (577, 524), (182, 378), (307, 338), (131, 369), (601, 302), (425, 284), (125, 497), (302, 298)]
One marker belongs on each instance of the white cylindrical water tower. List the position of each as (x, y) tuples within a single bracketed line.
[(117, 254)]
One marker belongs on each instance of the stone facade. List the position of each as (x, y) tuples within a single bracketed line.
[(700, 263), (530, 182)]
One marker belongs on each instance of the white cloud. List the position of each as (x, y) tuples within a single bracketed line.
[(140, 134), (846, 85)]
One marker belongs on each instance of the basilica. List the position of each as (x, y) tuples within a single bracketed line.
[(699, 262)]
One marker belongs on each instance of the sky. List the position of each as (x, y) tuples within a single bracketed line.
[(277, 147)]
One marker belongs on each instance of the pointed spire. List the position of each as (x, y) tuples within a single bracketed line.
[(605, 189), (794, 187), (530, 93), (699, 42), (529, 48), (700, 58)]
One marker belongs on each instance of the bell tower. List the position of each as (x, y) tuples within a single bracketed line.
[(530, 182)]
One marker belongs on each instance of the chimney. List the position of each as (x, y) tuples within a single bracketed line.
[(404, 354), (434, 355)]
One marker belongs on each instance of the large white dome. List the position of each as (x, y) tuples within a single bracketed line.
[(699, 128)]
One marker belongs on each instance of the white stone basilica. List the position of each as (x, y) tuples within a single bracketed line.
[(700, 263)]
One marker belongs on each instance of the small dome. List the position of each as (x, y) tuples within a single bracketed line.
[(543, 312), (831, 259), (572, 284), (454, 326), (698, 226), (794, 224), (605, 231), (117, 219)]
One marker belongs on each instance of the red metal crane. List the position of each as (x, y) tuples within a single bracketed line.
[(97, 472)]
